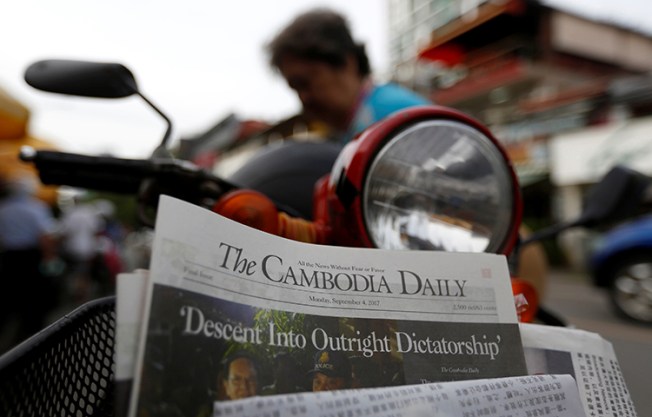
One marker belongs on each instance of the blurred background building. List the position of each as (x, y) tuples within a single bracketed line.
[(569, 94)]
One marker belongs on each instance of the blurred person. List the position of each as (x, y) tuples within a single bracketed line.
[(108, 262), (331, 74), (80, 227), (27, 253), (331, 371), (240, 376), (113, 229)]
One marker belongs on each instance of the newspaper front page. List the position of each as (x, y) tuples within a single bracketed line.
[(586, 356), (232, 312), (602, 390)]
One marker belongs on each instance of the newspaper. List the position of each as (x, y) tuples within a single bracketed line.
[(586, 356), (547, 350), (231, 312), (543, 395), (130, 295)]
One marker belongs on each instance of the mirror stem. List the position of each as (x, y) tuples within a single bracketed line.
[(550, 232), (162, 149)]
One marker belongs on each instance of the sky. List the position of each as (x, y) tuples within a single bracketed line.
[(634, 14), (198, 60)]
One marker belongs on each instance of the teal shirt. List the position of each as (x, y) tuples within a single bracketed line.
[(380, 102)]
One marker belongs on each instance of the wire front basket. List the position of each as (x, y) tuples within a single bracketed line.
[(66, 369)]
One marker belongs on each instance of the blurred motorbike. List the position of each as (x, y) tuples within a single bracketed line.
[(425, 178)]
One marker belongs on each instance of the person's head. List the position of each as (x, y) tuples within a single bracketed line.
[(240, 376), (331, 371), (320, 61)]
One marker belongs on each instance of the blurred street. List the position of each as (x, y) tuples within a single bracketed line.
[(584, 306)]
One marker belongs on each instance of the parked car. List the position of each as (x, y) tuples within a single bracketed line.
[(622, 262)]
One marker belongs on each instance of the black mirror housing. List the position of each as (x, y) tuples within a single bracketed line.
[(81, 78), (616, 197), (92, 79)]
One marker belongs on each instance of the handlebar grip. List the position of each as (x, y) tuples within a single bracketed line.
[(103, 173)]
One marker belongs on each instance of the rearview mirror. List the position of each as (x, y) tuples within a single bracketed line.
[(81, 78), (615, 197), (92, 79)]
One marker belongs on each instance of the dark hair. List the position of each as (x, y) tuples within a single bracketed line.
[(319, 35)]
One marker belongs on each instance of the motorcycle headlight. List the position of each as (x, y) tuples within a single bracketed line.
[(428, 178)]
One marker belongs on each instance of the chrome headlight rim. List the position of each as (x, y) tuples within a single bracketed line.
[(499, 242)]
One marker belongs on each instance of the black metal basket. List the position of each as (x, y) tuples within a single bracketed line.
[(65, 370)]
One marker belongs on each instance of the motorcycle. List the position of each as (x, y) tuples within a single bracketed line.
[(425, 178)]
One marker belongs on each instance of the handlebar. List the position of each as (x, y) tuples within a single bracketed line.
[(179, 179), (144, 178), (93, 172)]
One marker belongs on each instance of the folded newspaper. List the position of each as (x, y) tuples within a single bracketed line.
[(227, 312), (588, 358), (546, 395)]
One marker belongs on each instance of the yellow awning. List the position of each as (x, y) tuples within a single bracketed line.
[(14, 121), (14, 117)]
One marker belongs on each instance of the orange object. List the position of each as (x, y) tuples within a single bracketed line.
[(302, 230), (14, 117), (526, 300), (258, 211), (250, 208)]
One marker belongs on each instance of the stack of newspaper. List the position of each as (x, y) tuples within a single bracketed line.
[(231, 321)]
